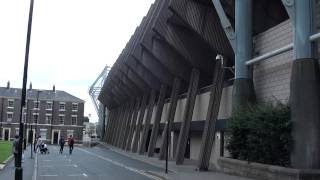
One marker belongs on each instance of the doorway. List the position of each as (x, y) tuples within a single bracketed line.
[(55, 137), (6, 132), (30, 136)]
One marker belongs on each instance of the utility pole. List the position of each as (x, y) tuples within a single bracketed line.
[(19, 170)]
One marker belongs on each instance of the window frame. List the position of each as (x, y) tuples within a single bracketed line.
[(33, 119), (75, 110), (76, 122), (38, 105), (10, 107), (51, 104), (62, 115), (11, 117), (64, 105)]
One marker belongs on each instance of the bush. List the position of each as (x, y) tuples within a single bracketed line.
[(261, 133)]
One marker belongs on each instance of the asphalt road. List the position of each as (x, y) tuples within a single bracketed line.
[(91, 163)]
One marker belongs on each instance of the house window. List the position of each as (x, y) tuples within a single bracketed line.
[(62, 106), (43, 134), (24, 117), (61, 119), (36, 104), (9, 116), (49, 105), (48, 118), (35, 117), (17, 131), (11, 103), (69, 132), (74, 120), (74, 106)]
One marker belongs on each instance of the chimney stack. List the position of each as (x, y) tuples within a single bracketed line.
[(54, 88), (8, 85), (30, 86)]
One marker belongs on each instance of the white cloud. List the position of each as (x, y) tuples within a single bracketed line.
[(71, 41)]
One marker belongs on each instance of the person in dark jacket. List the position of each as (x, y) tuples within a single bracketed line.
[(15, 149), (61, 143), (70, 143)]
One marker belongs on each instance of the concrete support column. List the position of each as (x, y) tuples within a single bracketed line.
[(304, 89), (118, 127), (243, 90), (112, 124), (139, 123), (122, 124), (126, 126), (133, 124), (103, 124), (146, 127), (156, 124), (116, 121), (187, 116), (208, 136), (109, 125), (172, 111)]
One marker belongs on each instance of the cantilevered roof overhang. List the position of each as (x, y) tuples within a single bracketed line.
[(173, 38)]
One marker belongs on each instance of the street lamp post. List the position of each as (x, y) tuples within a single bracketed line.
[(19, 170)]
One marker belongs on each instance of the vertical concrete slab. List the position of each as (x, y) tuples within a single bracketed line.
[(185, 126), (133, 124), (139, 124), (208, 135), (172, 109), (144, 136), (156, 124)]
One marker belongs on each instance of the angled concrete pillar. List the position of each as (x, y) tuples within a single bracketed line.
[(156, 124), (133, 124), (304, 89), (146, 127), (109, 125), (208, 136), (243, 90), (122, 124), (172, 111), (127, 125), (115, 126), (118, 126), (187, 116), (139, 124)]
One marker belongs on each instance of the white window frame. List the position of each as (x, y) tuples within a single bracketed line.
[(74, 116), (70, 132), (33, 119), (64, 105), (62, 115), (9, 120), (48, 115), (75, 110), (42, 137), (17, 131), (34, 105), (10, 100), (49, 102)]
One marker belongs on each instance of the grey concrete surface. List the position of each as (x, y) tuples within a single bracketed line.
[(91, 163)]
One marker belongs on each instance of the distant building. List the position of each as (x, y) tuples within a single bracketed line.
[(52, 114)]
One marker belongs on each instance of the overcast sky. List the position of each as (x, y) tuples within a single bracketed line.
[(71, 42)]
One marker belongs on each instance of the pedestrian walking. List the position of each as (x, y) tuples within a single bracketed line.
[(70, 143), (38, 143), (61, 143), (15, 150)]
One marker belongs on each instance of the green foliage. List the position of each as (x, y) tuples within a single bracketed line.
[(261, 133), (5, 150)]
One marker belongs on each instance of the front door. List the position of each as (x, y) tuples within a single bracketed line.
[(55, 137), (6, 134), (30, 136)]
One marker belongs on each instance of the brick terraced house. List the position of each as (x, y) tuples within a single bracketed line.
[(52, 114)]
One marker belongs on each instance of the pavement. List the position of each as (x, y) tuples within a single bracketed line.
[(103, 163), (176, 172), (7, 173)]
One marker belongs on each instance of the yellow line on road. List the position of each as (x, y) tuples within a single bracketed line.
[(122, 165)]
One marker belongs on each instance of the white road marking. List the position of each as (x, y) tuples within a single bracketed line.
[(74, 175), (122, 165), (75, 165), (35, 168), (84, 174)]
